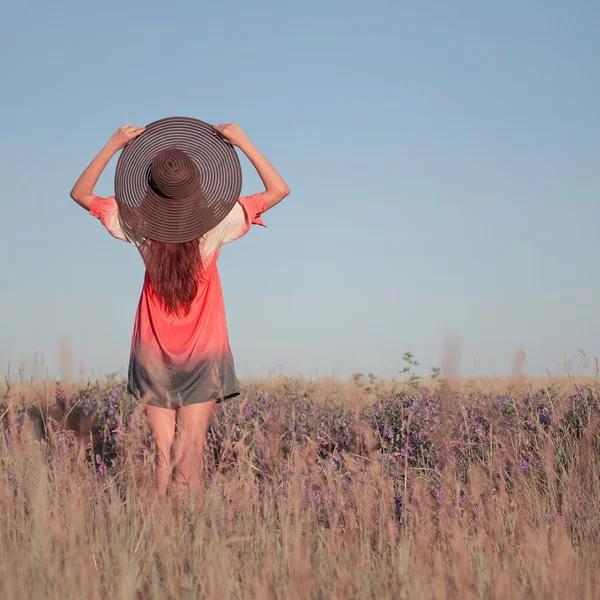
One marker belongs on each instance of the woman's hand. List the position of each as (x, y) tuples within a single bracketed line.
[(83, 190), (232, 134), (276, 189), (123, 136)]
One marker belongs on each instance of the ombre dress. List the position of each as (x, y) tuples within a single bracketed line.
[(177, 361)]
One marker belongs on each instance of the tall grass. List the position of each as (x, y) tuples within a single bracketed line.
[(351, 490)]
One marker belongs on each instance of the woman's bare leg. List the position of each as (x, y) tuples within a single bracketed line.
[(162, 427), (192, 425)]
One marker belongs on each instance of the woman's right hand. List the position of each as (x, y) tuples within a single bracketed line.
[(123, 136), (276, 189), (231, 133)]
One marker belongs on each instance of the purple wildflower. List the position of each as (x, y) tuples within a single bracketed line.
[(524, 465), (101, 467)]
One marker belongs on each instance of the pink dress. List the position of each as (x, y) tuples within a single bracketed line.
[(177, 361)]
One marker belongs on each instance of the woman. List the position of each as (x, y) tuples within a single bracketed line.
[(178, 202)]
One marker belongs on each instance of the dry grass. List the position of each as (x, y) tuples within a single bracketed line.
[(304, 529)]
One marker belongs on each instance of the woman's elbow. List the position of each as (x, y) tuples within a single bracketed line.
[(274, 196), (277, 194), (80, 199)]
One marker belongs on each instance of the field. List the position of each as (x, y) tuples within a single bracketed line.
[(362, 489)]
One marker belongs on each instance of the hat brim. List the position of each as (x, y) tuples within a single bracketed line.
[(220, 172)]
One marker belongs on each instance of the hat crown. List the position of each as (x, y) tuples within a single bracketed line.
[(174, 175)]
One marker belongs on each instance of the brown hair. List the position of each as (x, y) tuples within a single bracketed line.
[(174, 270)]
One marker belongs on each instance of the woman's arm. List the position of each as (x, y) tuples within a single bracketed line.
[(83, 190), (276, 188)]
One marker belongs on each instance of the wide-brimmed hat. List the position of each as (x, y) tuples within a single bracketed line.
[(177, 180)]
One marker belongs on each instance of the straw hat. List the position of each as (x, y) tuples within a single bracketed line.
[(177, 180)]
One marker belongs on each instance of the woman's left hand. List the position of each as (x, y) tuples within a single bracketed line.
[(123, 136)]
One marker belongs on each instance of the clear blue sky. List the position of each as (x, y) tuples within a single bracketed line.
[(443, 159)]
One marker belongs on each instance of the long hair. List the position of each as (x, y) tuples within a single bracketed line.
[(174, 271)]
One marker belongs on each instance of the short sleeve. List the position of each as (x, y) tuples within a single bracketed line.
[(107, 211), (245, 213)]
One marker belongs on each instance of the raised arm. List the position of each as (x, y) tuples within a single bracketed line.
[(276, 188), (83, 190)]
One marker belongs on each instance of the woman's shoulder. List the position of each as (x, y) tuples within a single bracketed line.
[(211, 242), (218, 235)]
